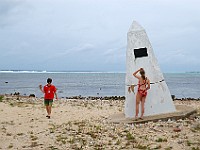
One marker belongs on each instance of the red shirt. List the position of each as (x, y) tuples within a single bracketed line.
[(49, 91)]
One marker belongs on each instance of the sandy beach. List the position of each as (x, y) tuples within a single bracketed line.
[(83, 124)]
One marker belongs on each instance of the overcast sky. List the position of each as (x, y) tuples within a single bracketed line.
[(91, 35)]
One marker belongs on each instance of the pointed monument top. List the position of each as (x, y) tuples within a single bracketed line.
[(135, 27)]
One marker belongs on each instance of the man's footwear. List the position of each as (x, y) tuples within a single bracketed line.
[(48, 117)]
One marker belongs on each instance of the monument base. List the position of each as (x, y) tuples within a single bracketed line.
[(182, 111)]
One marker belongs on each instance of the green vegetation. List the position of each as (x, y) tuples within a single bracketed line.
[(34, 144), (53, 128), (188, 143), (118, 142), (1, 98), (175, 136), (197, 127), (61, 139), (168, 148), (9, 134), (52, 148), (130, 137), (161, 140), (140, 146), (195, 148), (33, 138), (11, 104), (20, 134), (10, 146), (72, 141)]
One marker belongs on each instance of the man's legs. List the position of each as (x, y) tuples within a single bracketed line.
[(48, 104), (48, 108)]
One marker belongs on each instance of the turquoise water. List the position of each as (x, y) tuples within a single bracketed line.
[(92, 84)]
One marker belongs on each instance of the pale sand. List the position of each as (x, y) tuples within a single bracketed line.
[(83, 124)]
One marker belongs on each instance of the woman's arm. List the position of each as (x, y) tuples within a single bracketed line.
[(148, 85), (135, 73)]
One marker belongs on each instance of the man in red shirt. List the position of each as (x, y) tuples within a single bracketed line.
[(49, 91)]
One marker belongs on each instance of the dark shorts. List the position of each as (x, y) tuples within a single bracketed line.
[(48, 102)]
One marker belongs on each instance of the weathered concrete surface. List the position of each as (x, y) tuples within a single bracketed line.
[(182, 111)]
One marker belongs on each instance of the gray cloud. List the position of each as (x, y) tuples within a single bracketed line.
[(8, 10), (94, 33), (74, 50)]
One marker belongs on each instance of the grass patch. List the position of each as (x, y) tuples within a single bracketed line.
[(1, 98), (130, 137), (61, 139), (8, 134), (52, 148), (195, 148), (140, 146), (189, 143), (30, 132), (109, 142), (168, 148), (11, 104), (118, 142), (92, 134), (34, 144), (72, 141), (196, 127), (10, 146), (53, 128), (8, 123), (33, 138), (161, 140), (20, 134), (175, 136)]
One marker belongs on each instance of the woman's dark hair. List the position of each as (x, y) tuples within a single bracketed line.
[(49, 80), (142, 72)]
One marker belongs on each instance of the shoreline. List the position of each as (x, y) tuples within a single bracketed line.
[(96, 97)]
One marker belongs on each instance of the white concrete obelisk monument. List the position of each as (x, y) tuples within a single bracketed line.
[(140, 55)]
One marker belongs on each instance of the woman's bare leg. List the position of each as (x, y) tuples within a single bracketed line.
[(138, 97), (142, 106)]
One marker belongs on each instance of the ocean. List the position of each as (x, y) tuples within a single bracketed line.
[(182, 85)]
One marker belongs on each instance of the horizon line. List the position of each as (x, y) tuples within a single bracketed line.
[(74, 71)]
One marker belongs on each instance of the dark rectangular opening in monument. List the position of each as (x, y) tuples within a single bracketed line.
[(140, 52)]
